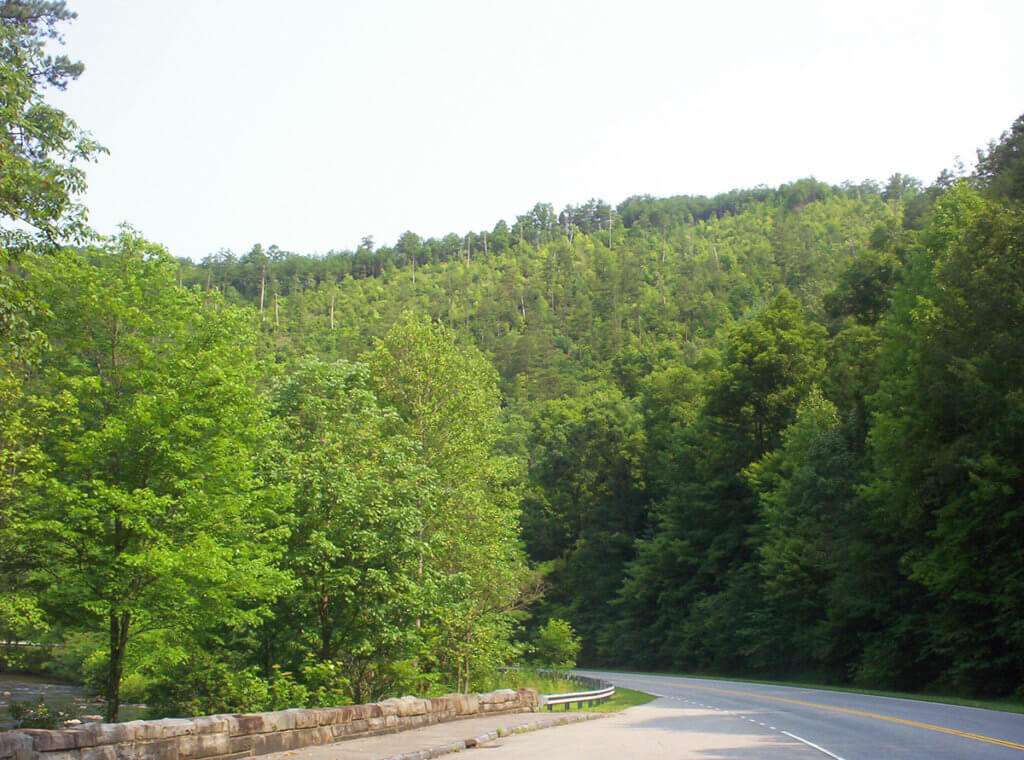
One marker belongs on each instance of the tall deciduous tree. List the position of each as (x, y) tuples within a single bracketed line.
[(155, 515), (360, 493), (472, 566), (587, 502), (808, 515), (41, 147), (693, 584), (41, 151), (947, 440), (1001, 167)]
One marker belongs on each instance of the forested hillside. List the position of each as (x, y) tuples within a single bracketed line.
[(774, 432), (770, 432)]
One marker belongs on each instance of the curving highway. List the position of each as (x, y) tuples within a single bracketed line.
[(728, 720)]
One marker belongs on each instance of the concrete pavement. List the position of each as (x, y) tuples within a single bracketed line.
[(436, 740), (659, 730)]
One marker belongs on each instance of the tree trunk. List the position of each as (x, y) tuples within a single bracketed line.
[(323, 612), (332, 306), (115, 666), (419, 579), (263, 287)]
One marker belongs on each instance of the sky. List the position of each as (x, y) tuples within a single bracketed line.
[(311, 124)]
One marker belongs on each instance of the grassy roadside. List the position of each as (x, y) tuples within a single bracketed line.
[(525, 678), (623, 698), (1003, 705), (547, 684)]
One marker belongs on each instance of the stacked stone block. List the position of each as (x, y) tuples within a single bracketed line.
[(227, 737)]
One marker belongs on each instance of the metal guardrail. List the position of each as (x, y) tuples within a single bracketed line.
[(596, 691)]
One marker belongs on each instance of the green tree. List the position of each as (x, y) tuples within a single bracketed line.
[(688, 598), (41, 151), (946, 441), (770, 363), (360, 492), (864, 287), (1001, 167), (472, 565), (586, 503), (155, 515), (41, 147), (810, 533), (556, 645), (23, 467)]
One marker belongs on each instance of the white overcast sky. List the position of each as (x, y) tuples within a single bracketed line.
[(311, 124)]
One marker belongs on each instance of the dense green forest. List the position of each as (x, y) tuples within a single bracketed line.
[(775, 432), (772, 432)]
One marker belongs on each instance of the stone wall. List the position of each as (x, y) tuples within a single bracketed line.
[(226, 737)]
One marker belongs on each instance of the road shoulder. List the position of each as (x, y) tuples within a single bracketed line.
[(662, 728), (437, 740)]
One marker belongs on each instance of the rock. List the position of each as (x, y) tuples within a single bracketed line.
[(15, 745), (73, 722), (302, 717), (92, 718), (106, 752), (468, 704), (409, 706), (44, 740), (205, 745)]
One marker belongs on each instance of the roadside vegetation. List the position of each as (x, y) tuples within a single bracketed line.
[(552, 683), (545, 682), (623, 699)]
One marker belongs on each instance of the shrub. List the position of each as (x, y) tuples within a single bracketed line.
[(202, 685), (327, 686), (134, 687), (556, 645), (38, 715), (285, 692)]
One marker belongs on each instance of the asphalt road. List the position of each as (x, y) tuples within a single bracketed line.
[(835, 724)]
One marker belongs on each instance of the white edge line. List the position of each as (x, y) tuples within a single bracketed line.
[(812, 744)]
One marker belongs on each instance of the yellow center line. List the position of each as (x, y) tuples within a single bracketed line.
[(866, 714)]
